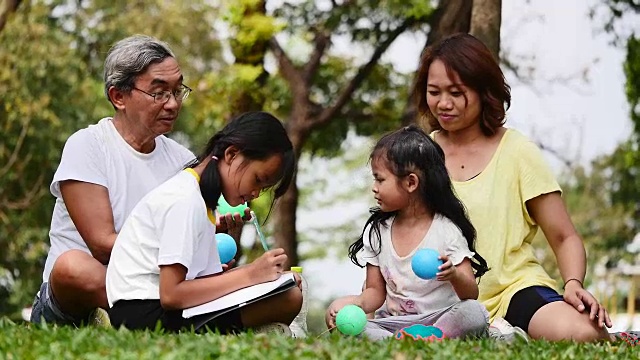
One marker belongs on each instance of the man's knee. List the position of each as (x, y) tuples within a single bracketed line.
[(77, 270)]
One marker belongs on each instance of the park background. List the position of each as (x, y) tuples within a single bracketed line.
[(339, 74)]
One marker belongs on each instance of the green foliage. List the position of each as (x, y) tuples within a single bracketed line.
[(22, 342), (623, 168), (44, 95), (363, 20), (603, 219)]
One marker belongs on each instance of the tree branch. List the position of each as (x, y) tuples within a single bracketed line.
[(321, 41), (289, 71), (328, 113), (7, 7), (29, 198), (558, 154), (14, 154)]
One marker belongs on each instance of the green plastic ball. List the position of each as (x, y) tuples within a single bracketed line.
[(351, 320), (224, 208)]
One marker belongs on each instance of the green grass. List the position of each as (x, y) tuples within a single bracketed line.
[(20, 341)]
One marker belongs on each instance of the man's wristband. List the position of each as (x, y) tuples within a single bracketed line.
[(574, 279)]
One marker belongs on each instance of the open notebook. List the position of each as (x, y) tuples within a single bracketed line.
[(242, 297)]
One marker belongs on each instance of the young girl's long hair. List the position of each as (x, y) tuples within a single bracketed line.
[(257, 136), (411, 150)]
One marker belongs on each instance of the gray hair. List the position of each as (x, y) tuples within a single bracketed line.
[(129, 58)]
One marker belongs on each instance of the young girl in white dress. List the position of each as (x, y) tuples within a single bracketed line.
[(417, 208)]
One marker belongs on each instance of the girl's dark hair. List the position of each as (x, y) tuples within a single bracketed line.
[(257, 136), (411, 150), (468, 57)]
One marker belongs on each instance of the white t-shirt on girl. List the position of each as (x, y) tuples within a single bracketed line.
[(408, 294), (170, 225)]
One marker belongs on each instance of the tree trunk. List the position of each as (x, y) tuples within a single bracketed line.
[(486, 17), (285, 231), (450, 17), (6, 8), (453, 16)]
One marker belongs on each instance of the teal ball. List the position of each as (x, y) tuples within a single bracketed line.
[(351, 320), (227, 247), (224, 208), (425, 263)]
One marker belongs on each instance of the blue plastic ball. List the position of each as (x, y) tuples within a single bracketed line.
[(425, 263), (227, 247)]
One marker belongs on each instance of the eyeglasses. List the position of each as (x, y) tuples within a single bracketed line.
[(162, 97)]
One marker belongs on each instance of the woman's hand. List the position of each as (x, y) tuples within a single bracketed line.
[(581, 299), (447, 271), (269, 266), (337, 305)]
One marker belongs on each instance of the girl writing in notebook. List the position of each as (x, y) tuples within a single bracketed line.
[(165, 258), (416, 209)]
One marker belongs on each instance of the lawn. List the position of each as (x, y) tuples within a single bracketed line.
[(21, 341)]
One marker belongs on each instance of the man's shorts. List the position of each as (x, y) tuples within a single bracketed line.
[(46, 309)]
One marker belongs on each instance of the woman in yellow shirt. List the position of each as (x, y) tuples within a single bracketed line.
[(509, 192)]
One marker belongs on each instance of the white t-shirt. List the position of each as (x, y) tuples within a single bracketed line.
[(99, 155), (408, 294), (170, 225)]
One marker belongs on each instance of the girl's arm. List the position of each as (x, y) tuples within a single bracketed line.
[(178, 293), (550, 213), (373, 296), (370, 300), (460, 276)]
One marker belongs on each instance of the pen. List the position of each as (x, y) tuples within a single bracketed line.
[(256, 224)]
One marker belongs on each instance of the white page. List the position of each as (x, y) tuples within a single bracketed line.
[(238, 297)]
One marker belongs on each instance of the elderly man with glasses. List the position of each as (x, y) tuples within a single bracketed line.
[(104, 171)]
